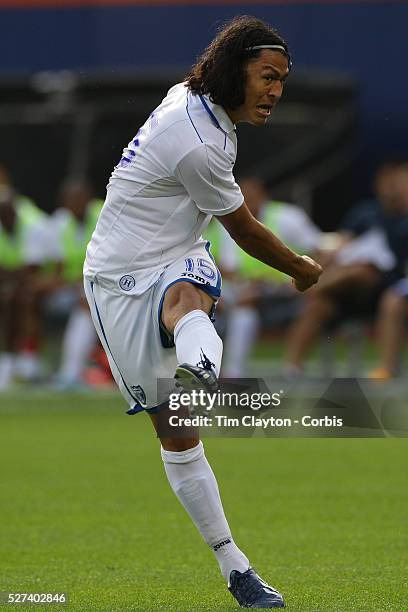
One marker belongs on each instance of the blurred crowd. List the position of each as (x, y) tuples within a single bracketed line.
[(41, 261), (364, 278)]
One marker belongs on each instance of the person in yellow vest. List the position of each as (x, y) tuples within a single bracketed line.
[(20, 260), (65, 238), (250, 282)]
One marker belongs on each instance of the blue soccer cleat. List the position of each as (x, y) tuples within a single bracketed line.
[(251, 591)]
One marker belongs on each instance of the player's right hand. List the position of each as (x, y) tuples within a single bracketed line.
[(309, 274)]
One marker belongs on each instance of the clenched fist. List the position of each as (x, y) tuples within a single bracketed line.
[(308, 274)]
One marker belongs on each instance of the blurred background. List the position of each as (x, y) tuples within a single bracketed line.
[(328, 174)]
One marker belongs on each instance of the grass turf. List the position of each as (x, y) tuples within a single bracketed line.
[(86, 509)]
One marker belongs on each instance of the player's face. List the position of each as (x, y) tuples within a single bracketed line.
[(264, 85)]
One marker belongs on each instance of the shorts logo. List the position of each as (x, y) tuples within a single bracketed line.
[(196, 277), (139, 394), (127, 282)]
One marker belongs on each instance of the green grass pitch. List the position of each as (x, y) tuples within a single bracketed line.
[(85, 508)]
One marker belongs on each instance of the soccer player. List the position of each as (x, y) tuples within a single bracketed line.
[(149, 276)]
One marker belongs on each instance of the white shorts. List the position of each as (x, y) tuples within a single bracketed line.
[(139, 349)]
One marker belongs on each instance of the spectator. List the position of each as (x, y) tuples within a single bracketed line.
[(392, 317), (372, 258), (20, 261), (393, 307), (65, 237)]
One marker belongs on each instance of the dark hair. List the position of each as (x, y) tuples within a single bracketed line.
[(220, 72)]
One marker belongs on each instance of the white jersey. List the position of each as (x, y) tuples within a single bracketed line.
[(173, 176)]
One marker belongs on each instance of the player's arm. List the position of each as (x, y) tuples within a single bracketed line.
[(259, 242), (206, 174)]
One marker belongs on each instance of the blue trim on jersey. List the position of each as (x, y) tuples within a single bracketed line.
[(214, 119), (135, 408), (192, 123), (219, 280), (209, 111)]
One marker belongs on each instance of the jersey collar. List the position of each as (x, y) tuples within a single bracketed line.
[(217, 115)]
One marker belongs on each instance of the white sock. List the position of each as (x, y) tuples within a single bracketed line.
[(79, 340), (196, 339), (243, 325), (193, 481)]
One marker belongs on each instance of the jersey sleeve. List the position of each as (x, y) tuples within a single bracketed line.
[(206, 174)]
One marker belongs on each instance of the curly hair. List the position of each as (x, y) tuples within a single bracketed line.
[(220, 72)]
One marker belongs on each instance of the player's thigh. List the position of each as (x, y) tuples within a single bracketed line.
[(181, 298)]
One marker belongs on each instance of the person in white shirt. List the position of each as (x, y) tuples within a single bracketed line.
[(149, 277)]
